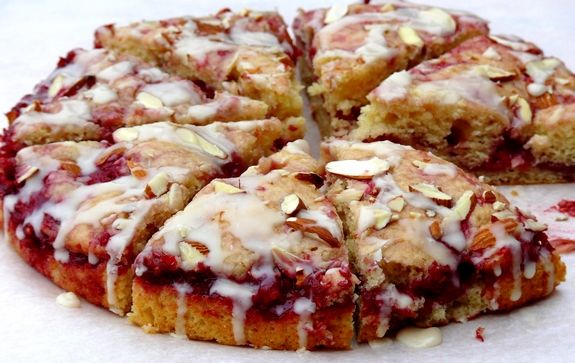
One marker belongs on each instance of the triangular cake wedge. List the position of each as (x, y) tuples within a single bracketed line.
[(429, 242), (94, 92), (496, 106), (82, 211), (257, 260), (350, 49), (248, 53)]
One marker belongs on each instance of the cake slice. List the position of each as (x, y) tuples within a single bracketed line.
[(495, 106), (429, 242), (247, 53), (94, 92), (257, 260), (82, 211), (350, 49)]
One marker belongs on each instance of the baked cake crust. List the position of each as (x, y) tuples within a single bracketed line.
[(350, 49), (429, 242), (496, 106), (242, 265)]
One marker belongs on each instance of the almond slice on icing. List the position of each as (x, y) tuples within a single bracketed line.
[(358, 169), (291, 204), (334, 13), (149, 101), (432, 192), (211, 148), (126, 134), (464, 205), (221, 187), (310, 226), (286, 260), (30, 172), (56, 85), (382, 218), (495, 73), (409, 36), (533, 225), (396, 204), (190, 255), (157, 186)]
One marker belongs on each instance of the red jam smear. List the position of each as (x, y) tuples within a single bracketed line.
[(566, 207)]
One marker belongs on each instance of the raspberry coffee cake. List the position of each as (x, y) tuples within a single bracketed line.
[(248, 53), (257, 260), (84, 210), (494, 105), (429, 242), (350, 49), (93, 92)]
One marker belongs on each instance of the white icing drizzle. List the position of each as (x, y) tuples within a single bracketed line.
[(71, 112), (174, 93), (549, 267), (101, 94), (304, 307), (390, 297), (182, 289), (241, 295), (116, 71), (440, 169), (394, 86), (433, 21), (470, 86), (420, 337)]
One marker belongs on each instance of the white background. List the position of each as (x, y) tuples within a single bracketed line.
[(33, 34)]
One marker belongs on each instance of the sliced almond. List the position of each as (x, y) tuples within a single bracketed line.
[(187, 135), (435, 230), (126, 134), (56, 85), (415, 215), (537, 89), (200, 247), (310, 226), (382, 218), (349, 195), (71, 167), (149, 101), (334, 13), (221, 187), (358, 169), (503, 215), (432, 192), (495, 73), (157, 186), (409, 36), (111, 153), (464, 205), (30, 172), (524, 110), (483, 239), (430, 213), (396, 204), (498, 206), (211, 148), (175, 197), (291, 204), (533, 225), (190, 255)]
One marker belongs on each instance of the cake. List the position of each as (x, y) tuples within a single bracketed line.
[(94, 92), (84, 210), (248, 53), (257, 260), (161, 175), (495, 106), (349, 49), (429, 242)]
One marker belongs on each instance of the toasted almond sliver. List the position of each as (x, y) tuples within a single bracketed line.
[(221, 187), (358, 169)]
